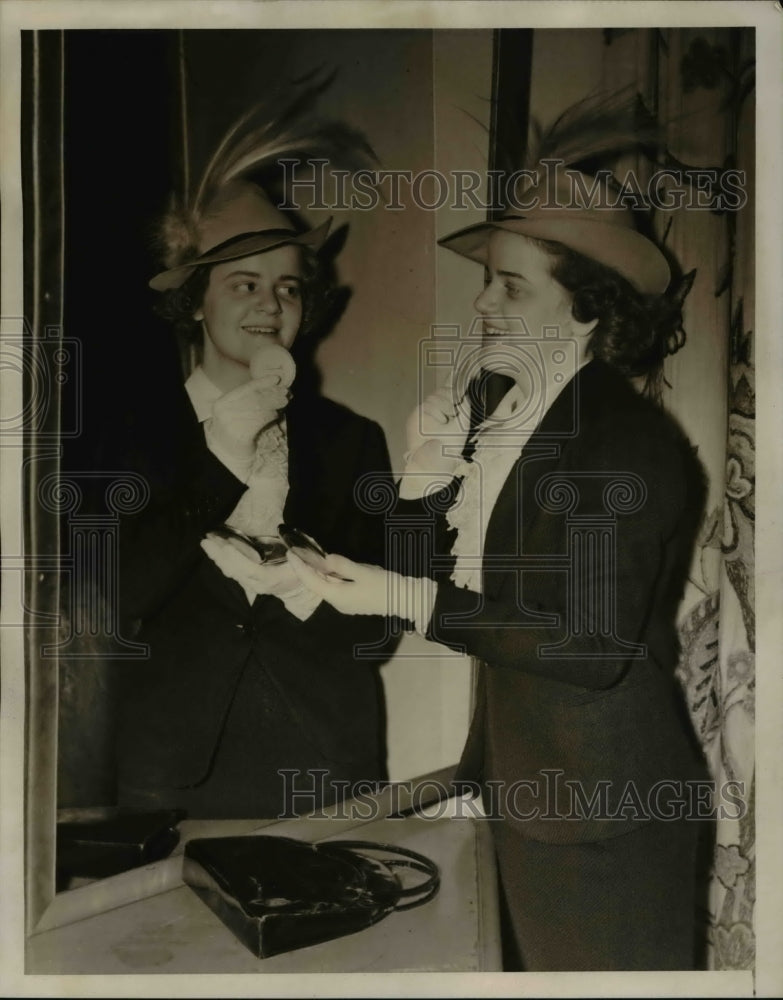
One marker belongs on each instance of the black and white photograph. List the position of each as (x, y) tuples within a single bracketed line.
[(382, 591)]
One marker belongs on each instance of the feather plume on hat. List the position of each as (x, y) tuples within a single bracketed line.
[(282, 126), (589, 135), (598, 127)]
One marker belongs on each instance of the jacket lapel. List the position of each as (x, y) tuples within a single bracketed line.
[(191, 446), (317, 471), (516, 506)]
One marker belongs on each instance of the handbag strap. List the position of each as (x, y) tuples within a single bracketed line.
[(412, 860)]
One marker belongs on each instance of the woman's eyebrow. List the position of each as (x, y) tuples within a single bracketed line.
[(242, 274), (256, 274), (512, 274)]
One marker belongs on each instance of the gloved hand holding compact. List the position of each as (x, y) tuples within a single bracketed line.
[(236, 560), (240, 415)]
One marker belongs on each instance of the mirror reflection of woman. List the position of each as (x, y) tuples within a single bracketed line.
[(569, 533), (252, 703)]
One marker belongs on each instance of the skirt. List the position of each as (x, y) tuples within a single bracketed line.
[(622, 903)]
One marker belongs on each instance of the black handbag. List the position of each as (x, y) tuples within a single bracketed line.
[(277, 894)]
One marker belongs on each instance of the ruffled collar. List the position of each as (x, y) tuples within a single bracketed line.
[(499, 441), (498, 444)]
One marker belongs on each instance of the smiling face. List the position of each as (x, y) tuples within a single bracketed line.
[(522, 299), (248, 303)]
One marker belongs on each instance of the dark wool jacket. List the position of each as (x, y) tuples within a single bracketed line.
[(202, 632), (585, 560)]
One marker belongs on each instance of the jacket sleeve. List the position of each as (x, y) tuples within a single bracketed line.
[(424, 518), (558, 627)]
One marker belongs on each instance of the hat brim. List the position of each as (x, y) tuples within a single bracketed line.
[(625, 250), (254, 243)]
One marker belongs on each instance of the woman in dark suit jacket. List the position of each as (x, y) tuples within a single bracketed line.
[(557, 555), (256, 700), (235, 692)]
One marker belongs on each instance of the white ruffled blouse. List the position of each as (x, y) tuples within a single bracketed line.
[(499, 441), (498, 445)]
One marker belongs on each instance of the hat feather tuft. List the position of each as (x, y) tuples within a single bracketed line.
[(284, 125), (599, 126), (263, 136), (177, 235)]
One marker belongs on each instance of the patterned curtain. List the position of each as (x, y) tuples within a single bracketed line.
[(706, 78), (701, 81)]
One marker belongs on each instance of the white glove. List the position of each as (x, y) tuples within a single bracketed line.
[(369, 590), (437, 429), (256, 577), (238, 416)]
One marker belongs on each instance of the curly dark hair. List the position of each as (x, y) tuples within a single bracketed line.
[(634, 332), (177, 305)]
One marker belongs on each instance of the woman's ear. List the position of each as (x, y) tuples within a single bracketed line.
[(198, 315), (578, 329), (579, 332), (582, 331)]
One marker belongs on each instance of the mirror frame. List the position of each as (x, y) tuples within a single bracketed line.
[(43, 202)]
